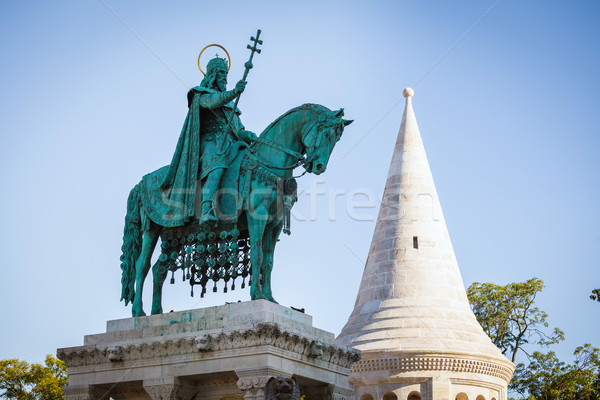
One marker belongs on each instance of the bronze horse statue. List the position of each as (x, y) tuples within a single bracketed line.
[(305, 135)]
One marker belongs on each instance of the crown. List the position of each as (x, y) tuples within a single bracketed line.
[(218, 64)]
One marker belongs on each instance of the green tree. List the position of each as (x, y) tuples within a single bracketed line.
[(548, 378), (22, 381), (509, 316), (595, 295)]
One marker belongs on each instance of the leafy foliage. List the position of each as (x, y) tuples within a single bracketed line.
[(509, 316), (22, 381), (548, 378), (595, 295)]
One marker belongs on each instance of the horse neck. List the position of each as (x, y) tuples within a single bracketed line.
[(287, 132)]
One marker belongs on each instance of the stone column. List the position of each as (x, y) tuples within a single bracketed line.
[(329, 392), (340, 393), (253, 381), (441, 388), (168, 388), (85, 392)]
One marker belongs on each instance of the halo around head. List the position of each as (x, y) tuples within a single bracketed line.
[(216, 45)]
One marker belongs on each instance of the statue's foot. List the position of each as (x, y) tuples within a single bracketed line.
[(208, 218)]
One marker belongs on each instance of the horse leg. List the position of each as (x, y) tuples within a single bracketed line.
[(256, 228), (271, 235), (158, 280), (142, 266), (257, 217)]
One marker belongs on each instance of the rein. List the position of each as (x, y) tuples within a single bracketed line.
[(300, 158)]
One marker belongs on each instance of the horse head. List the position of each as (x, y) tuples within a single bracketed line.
[(321, 139)]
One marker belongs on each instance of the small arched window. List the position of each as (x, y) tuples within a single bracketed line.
[(462, 396), (414, 395), (366, 396), (390, 396), (480, 397)]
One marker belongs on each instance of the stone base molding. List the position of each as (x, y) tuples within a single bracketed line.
[(263, 334)]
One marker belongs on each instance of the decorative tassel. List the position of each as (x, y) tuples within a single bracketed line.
[(210, 255), (288, 202), (287, 222)]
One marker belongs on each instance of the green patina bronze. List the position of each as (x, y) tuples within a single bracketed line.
[(221, 204)]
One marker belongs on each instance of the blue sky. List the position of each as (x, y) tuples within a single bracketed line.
[(94, 95)]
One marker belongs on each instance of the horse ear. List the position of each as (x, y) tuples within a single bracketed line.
[(340, 113), (347, 121)]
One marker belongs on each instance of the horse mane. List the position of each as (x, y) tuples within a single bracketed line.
[(303, 107)]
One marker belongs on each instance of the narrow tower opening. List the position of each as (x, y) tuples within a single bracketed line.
[(415, 242)]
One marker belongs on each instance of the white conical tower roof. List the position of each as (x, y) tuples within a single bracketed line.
[(411, 298)]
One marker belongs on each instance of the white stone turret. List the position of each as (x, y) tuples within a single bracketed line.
[(412, 321)]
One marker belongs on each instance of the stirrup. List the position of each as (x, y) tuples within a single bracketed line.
[(207, 216)]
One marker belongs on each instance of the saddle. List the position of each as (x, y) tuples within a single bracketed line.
[(211, 252)]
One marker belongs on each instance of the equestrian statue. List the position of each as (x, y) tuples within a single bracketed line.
[(221, 204)]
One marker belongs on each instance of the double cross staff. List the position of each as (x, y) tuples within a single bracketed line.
[(248, 65)]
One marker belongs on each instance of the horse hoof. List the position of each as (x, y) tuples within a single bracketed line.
[(157, 311), (257, 295), (269, 297), (140, 313)]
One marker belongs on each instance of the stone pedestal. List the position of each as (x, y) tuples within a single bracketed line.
[(223, 352)]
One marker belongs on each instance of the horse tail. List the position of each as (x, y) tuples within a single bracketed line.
[(132, 243)]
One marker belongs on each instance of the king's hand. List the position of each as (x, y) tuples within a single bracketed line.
[(240, 87), (247, 136)]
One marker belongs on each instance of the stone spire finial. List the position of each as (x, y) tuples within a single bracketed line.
[(412, 316)]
